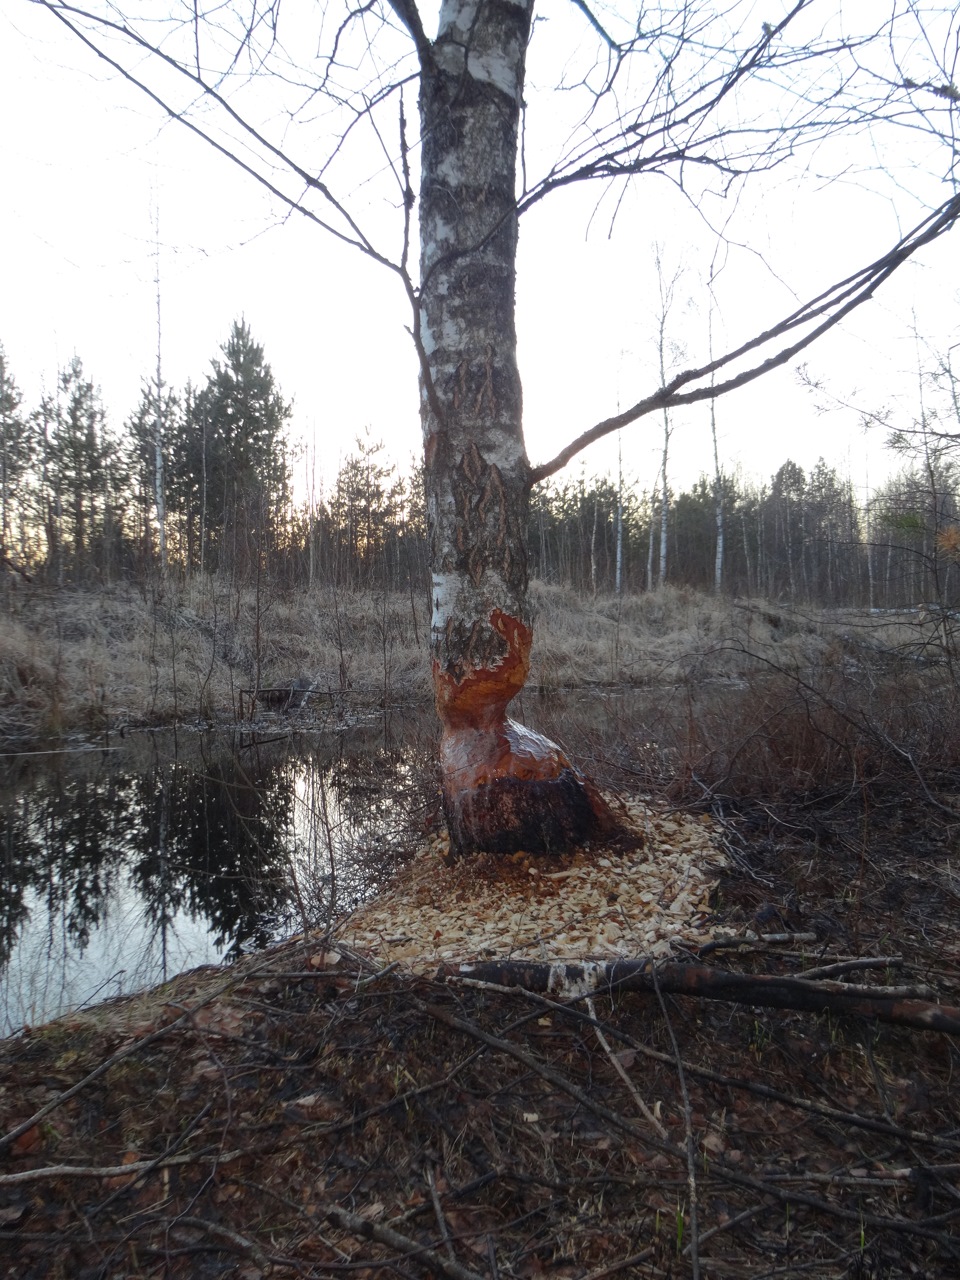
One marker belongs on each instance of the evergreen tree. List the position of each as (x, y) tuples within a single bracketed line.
[(237, 456), (16, 458), (365, 509), (151, 429), (84, 480)]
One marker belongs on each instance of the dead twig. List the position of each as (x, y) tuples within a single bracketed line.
[(694, 1247), (622, 1265), (851, 966), (438, 1213), (617, 1065), (358, 1226)]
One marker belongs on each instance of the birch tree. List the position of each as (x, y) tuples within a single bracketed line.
[(709, 94)]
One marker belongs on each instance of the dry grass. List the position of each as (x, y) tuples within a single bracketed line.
[(315, 1111), (738, 698), (95, 662)]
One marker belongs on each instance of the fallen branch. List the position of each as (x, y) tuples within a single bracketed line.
[(851, 966), (691, 1146), (363, 1227), (617, 1065), (834, 1114), (568, 979)]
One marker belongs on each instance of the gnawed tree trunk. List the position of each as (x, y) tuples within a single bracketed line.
[(504, 787)]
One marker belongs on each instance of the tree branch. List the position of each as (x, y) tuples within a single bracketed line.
[(835, 303), (357, 239), (578, 979), (409, 15), (367, 1230)]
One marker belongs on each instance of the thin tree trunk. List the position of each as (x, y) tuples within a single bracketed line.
[(593, 547), (653, 504), (664, 503), (504, 787), (158, 478), (746, 553), (619, 573), (717, 502), (203, 490)]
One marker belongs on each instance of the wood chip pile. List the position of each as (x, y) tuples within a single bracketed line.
[(594, 904)]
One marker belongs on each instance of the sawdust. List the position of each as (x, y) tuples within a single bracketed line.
[(593, 904)]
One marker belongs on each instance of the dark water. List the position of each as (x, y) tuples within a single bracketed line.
[(119, 869)]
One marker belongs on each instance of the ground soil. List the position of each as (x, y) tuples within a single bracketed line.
[(306, 1113)]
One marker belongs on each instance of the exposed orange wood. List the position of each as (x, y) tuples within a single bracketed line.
[(476, 697)]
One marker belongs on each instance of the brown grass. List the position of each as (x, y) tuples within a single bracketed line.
[(96, 662), (314, 1112), (720, 697)]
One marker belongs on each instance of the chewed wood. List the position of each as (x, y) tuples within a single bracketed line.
[(590, 904)]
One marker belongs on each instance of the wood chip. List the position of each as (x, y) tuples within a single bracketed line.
[(596, 904)]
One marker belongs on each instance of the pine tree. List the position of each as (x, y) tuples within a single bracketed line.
[(84, 480), (238, 459), (16, 458), (151, 430)]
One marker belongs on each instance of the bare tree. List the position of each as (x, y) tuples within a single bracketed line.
[(704, 93), (159, 433)]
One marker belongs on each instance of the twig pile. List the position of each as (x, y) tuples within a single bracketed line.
[(302, 1121)]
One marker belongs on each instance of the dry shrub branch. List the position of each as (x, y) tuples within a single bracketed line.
[(308, 1119)]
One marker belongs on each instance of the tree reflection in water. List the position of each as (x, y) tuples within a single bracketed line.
[(120, 869)]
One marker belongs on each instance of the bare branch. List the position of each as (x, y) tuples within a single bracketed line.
[(834, 304), (407, 12), (357, 240), (595, 23)]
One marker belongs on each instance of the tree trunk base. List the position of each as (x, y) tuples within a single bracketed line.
[(509, 789)]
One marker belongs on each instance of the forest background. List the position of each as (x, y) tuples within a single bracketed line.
[(206, 480)]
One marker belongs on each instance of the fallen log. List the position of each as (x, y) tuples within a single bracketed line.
[(572, 980)]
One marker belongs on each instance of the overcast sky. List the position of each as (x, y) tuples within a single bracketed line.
[(94, 181)]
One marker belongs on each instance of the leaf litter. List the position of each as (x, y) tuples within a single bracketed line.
[(331, 1108)]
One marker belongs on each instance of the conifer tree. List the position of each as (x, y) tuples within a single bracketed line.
[(236, 456), (16, 458)]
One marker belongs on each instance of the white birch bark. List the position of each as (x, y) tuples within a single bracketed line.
[(504, 787)]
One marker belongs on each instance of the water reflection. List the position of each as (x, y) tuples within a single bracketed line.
[(119, 869)]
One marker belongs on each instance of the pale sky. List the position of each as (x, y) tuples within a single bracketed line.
[(89, 167)]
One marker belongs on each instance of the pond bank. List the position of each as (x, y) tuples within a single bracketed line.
[(99, 663), (312, 1110), (122, 867)]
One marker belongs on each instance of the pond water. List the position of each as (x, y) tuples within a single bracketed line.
[(121, 868)]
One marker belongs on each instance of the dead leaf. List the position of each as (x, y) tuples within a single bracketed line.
[(28, 1141), (714, 1143)]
